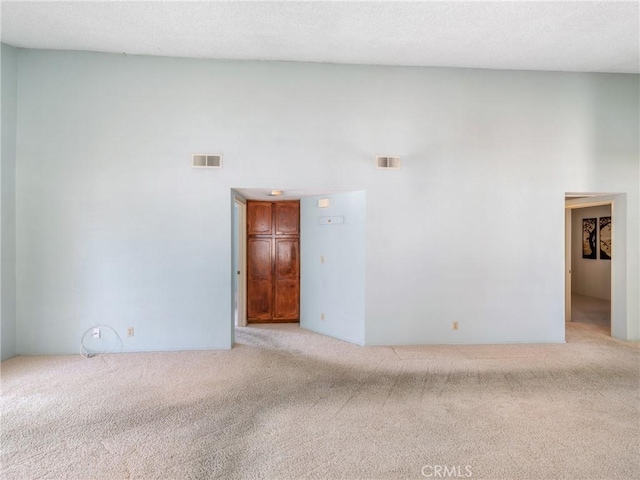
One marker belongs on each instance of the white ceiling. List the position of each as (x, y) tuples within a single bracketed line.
[(600, 36)]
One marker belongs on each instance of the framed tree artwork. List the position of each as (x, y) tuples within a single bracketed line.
[(589, 233), (605, 238)]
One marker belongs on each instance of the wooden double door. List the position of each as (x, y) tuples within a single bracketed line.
[(273, 262)]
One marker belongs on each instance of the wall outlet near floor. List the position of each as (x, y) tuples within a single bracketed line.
[(96, 332), (130, 332), (454, 325), (322, 316)]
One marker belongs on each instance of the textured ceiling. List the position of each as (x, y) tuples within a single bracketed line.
[(527, 35)]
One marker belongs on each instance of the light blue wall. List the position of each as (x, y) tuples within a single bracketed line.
[(337, 286), (8, 105), (473, 229), (113, 225)]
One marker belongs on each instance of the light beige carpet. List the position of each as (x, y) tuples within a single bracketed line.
[(592, 311), (290, 404)]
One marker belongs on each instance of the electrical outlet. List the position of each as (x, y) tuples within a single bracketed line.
[(455, 325), (322, 316), (321, 258), (130, 332), (96, 332)]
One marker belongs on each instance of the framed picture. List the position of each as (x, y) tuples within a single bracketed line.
[(589, 233), (605, 238)]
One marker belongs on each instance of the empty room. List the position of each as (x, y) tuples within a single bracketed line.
[(320, 240)]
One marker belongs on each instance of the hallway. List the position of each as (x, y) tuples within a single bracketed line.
[(593, 313)]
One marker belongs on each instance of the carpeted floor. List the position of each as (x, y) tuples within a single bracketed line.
[(591, 311), (290, 404)]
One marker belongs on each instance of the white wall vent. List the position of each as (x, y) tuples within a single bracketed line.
[(388, 162), (206, 160)]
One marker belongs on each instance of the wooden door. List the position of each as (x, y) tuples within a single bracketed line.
[(273, 262)]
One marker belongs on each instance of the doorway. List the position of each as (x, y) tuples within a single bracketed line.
[(595, 292), (332, 259)]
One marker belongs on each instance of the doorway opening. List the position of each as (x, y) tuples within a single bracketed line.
[(239, 244), (332, 249), (595, 298)]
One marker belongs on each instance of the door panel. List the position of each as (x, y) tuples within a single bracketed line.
[(287, 300), (259, 251), (287, 218), (259, 307), (259, 221), (287, 258)]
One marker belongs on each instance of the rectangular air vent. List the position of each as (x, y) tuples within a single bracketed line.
[(206, 160), (388, 162)]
